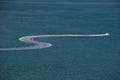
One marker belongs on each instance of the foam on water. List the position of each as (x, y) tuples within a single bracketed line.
[(39, 45)]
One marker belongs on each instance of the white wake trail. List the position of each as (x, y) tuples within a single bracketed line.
[(39, 45)]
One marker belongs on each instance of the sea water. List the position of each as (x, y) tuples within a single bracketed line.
[(70, 58)]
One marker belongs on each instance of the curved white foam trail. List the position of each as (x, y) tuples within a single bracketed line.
[(39, 45)]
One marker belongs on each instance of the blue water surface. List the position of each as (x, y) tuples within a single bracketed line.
[(70, 58)]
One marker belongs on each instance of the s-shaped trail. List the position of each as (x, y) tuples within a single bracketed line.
[(39, 45)]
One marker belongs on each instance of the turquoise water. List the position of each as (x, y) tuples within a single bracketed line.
[(70, 58)]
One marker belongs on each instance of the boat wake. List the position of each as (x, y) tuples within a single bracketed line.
[(39, 45)]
